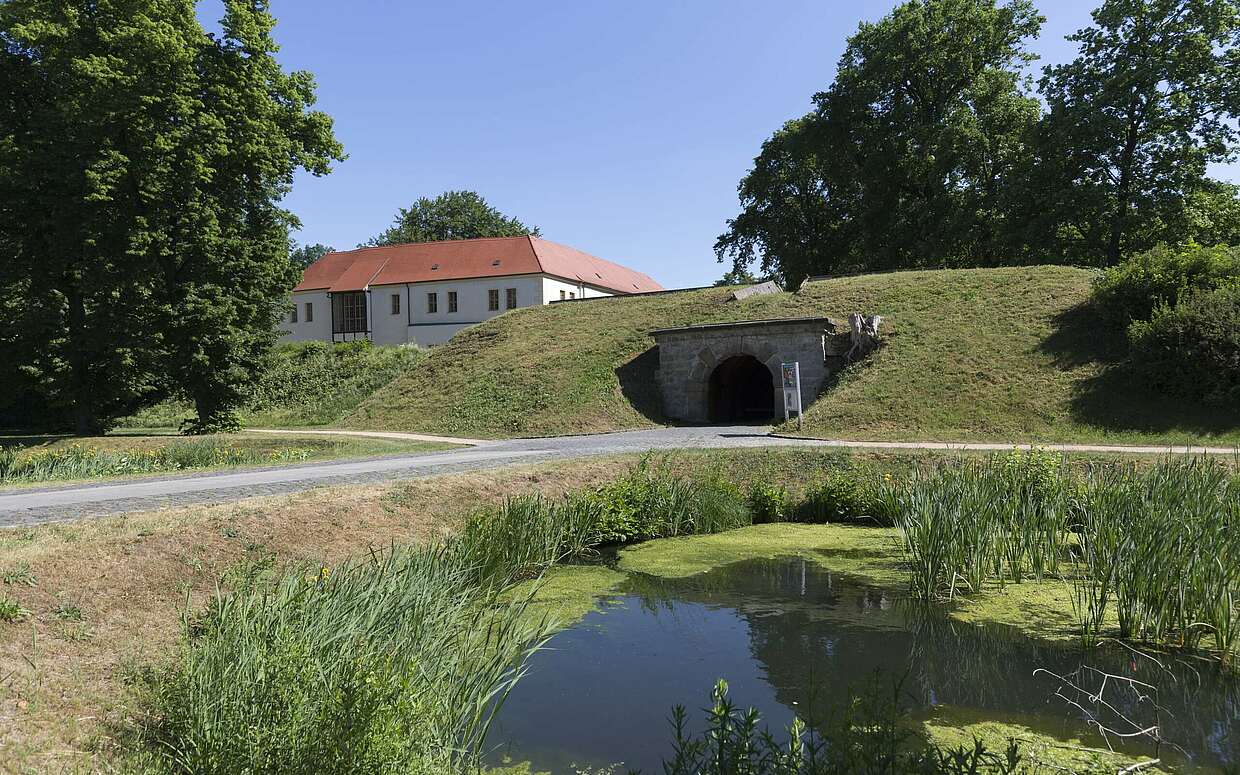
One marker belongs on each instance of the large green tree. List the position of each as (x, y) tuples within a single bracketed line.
[(142, 162), (1134, 121), (905, 159), (302, 256), (451, 215)]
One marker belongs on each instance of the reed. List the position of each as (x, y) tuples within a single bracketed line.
[(1001, 520), (392, 663), (1160, 550)]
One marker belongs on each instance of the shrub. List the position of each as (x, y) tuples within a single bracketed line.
[(1193, 349), (1160, 277), (767, 502), (846, 495), (650, 502)]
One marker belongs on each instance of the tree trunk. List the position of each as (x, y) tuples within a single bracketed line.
[(84, 420)]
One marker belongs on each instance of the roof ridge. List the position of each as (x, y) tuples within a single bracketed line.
[(431, 242)]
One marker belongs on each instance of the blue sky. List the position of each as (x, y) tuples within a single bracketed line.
[(619, 128)]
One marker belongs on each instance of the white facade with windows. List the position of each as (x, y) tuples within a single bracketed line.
[(424, 292), (424, 313)]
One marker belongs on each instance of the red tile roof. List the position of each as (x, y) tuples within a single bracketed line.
[(420, 262)]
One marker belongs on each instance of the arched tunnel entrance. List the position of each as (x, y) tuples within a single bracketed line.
[(742, 389)]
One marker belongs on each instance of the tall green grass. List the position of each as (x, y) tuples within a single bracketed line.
[(396, 663), (1155, 551), (1000, 520), (528, 534), (1161, 550), (76, 461), (399, 662)]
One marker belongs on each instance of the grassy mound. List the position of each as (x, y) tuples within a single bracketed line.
[(302, 384), (1006, 354)]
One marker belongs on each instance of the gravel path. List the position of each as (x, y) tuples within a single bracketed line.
[(52, 504)]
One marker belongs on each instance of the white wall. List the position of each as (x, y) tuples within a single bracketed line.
[(414, 323), (302, 331), (552, 287)]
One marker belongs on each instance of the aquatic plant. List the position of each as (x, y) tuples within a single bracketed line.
[(870, 735), (1001, 519), (397, 661), (1160, 548)]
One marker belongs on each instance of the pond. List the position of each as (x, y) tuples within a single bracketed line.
[(786, 633)]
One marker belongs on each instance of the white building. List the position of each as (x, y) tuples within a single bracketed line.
[(425, 292)]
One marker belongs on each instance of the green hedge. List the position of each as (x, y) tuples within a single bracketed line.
[(1162, 276), (1193, 349)]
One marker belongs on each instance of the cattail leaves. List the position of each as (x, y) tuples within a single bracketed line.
[(1154, 553)]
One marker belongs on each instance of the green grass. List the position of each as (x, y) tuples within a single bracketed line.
[(303, 384), (1011, 354), (32, 460)]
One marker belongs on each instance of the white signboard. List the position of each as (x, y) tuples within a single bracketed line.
[(791, 377)]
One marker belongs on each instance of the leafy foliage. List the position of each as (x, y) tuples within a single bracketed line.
[(302, 256), (451, 215), (1134, 121), (871, 736), (144, 162), (929, 149), (1159, 277), (1192, 350), (929, 105)]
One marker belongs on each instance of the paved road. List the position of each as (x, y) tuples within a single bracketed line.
[(33, 506)]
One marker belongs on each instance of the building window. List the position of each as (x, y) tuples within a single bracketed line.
[(309, 312), (293, 315), (452, 301), (432, 303), (510, 298), (395, 303), (349, 313), (493, 300), (572, 294)]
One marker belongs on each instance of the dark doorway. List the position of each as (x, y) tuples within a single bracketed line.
[(741, 390)]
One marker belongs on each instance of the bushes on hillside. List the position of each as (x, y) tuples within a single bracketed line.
[(1193, 349), (1181, 308), (1160, 277)]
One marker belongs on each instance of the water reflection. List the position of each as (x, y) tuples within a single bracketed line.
[(785, 631)]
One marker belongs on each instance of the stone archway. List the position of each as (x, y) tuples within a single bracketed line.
[(690, 358), (740, 389)]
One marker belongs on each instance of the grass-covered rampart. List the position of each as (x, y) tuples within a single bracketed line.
[(302, 384), (1008, 354)]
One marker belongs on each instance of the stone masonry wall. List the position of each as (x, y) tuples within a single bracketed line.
[(688, 356)]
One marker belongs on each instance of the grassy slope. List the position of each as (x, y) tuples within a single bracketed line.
[(991, 354)]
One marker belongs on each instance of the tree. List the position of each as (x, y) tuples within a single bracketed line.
[(1213, 213), (451, 215), (1134, 121), (142, 163), (742, 276), (905, 159), (302, 256)]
